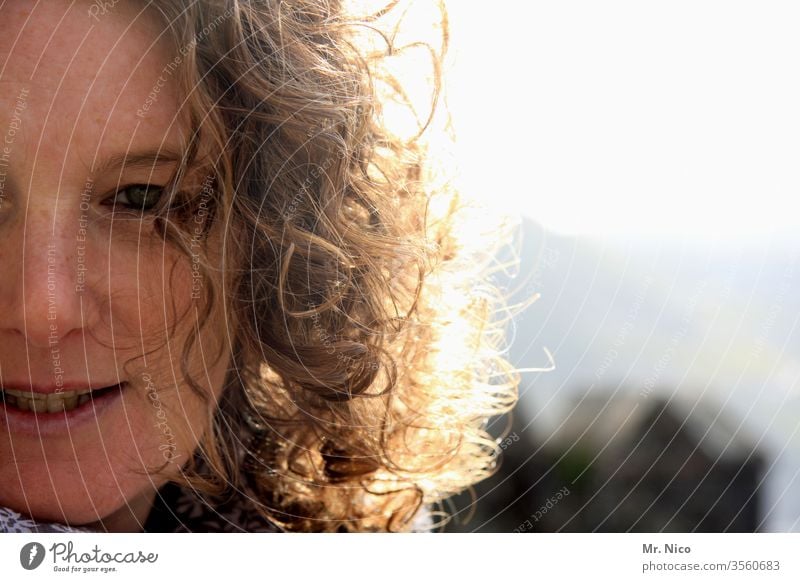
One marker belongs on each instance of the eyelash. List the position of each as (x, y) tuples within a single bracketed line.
[(114, 202)]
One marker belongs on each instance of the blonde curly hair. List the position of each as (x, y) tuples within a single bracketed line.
[(366, 347)]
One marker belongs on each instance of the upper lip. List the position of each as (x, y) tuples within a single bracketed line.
[(53, 388)]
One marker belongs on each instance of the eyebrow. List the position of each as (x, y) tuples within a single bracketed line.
[(142, 159)]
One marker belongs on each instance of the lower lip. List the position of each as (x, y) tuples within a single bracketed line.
[(27, 423)]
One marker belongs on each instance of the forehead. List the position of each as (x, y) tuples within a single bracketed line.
[(101, 83)]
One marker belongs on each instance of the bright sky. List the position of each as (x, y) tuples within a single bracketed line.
[(678, 119)]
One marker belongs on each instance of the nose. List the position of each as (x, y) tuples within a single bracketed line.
[(41, 293)]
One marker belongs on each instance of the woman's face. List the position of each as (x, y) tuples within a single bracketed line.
[(88, 108)]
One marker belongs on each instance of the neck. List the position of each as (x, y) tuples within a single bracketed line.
[(129, 518)]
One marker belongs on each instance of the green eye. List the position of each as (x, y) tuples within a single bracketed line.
[(140, 197)]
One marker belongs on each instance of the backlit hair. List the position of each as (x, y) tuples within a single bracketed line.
[(366, 348)]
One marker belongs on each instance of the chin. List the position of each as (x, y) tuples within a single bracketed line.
[(75, 488), (66, 500)]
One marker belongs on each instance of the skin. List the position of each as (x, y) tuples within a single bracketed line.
[(82, 80)]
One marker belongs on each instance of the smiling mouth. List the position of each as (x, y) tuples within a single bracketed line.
[(55, 402)]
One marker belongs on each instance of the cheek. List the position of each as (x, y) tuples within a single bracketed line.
[(149, 289), (156, 301), (167, 416), (168, 420)]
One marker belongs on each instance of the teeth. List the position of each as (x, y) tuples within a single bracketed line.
[(39, 405), (39, 396), (56, 402)]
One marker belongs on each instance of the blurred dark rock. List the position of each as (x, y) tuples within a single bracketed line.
[(631, 463)]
